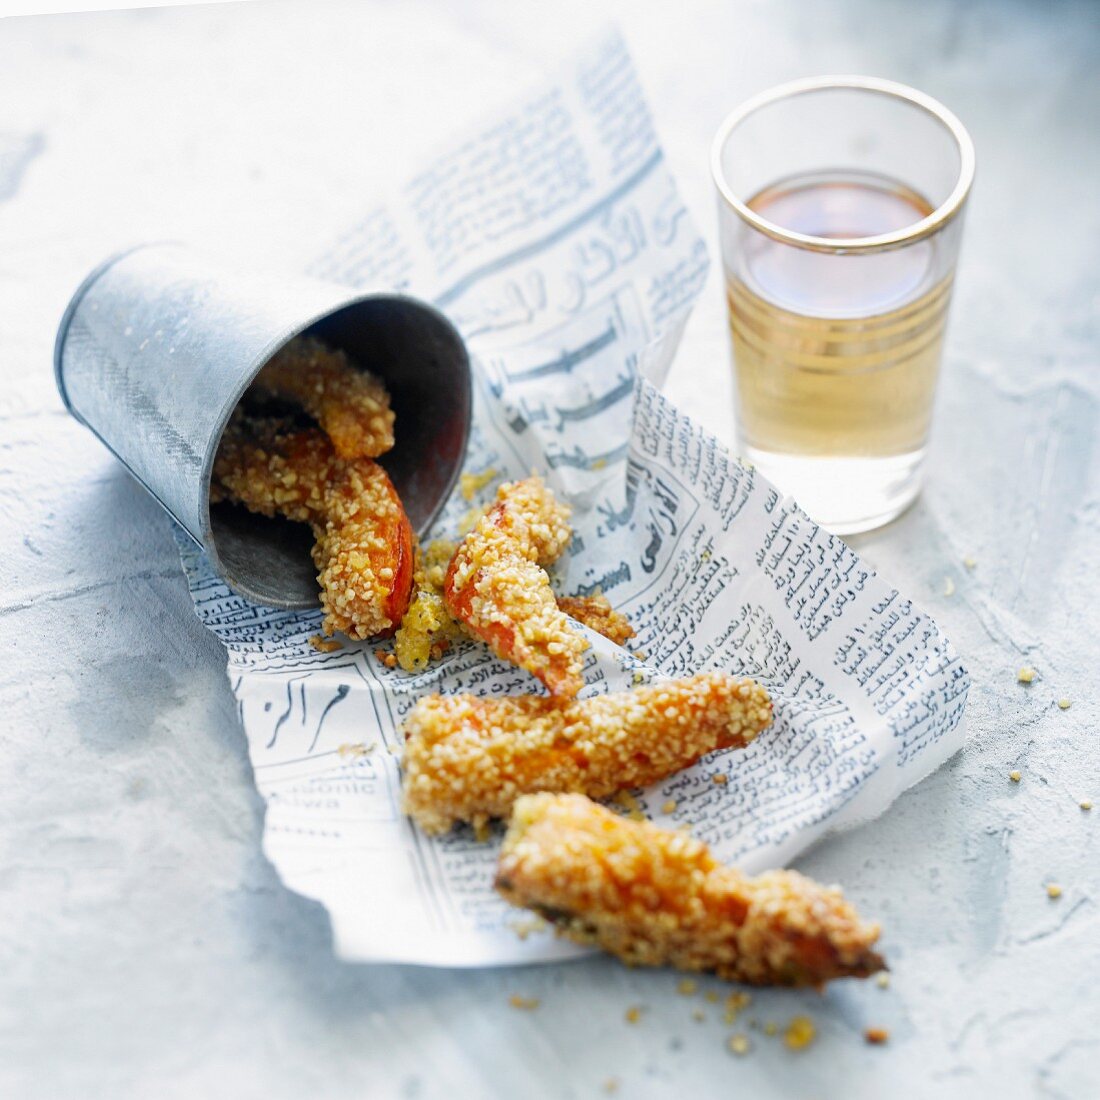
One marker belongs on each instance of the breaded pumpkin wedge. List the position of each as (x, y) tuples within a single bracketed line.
[(350, 404), (468, 759), (656, 897), (364, 543), (497, 588)]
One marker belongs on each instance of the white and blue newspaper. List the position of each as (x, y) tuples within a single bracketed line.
[(555, 239)]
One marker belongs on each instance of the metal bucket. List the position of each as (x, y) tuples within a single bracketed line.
[(159, 343)]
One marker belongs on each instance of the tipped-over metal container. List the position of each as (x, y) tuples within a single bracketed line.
[(157, 347)]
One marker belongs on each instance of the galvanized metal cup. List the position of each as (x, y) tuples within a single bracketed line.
[(157, 347)]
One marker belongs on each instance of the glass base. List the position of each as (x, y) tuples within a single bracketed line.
[(845, 495)]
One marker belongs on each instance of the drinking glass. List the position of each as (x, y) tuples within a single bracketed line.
[(841, 206)]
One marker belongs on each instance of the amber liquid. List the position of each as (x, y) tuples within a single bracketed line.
[(837, 356)]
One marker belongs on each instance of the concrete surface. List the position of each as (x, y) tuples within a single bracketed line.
[(147, 949)]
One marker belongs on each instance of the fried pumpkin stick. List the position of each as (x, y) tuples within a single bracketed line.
[(351, 405), (469, 759), (654, 897), (363, 550), (497, 588)]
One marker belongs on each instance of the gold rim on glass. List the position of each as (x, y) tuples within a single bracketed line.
[(915, 232)]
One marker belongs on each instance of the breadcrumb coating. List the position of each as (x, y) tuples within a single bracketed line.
[(363, 549), (272, 468), (497, 587), (428, 626), (350, 404), (597, 614), (655, 897), (364, 553), (469, 759)]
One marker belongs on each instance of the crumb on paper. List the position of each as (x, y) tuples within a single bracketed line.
[(698, 1015), (482, 831), (638, 678), (1054, 890), (669, 807), (629, 803), (1025, 675), (524, 1004), (325, 645), (800, 1033), (1015, 777), (970, 563), (687, 987), (525, 928), (595, 612), (720, 779), (469, 520), (740, 1045), (705, 555), (640, 655), (1085, 804), (876, 1035), (1064, 704), (883, 980), (611, 1085), (771, 1028), (948, 586), (356, 750), (472, 484), (634, 1014), (384, 658), (711, 995)]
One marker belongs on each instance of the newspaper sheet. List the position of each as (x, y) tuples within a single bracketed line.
[(555, 238)]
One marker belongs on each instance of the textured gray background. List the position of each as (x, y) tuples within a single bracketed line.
[(146, 946)]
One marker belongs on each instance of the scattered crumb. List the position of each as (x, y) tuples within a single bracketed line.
[(800, 1033), (472, 484), (524, 1004), (970, 562), (876, 1035), (669, 807), (482, 832), (948, 586), (638, 678), (736, 1003), (1085, 804), (634, 1014), (325, 645), (740, 1045), (387, 659), (1014, 776), (611, 1085), (712, 996), (1025, 675), (721, 780), (698, 1015), (771, 1028), (357, 750), (598, 464), (469, 520), (640, 655), (1064, 704), (524, 928), (883, 980), (632, 806), (688, 987), (1054, 890)]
